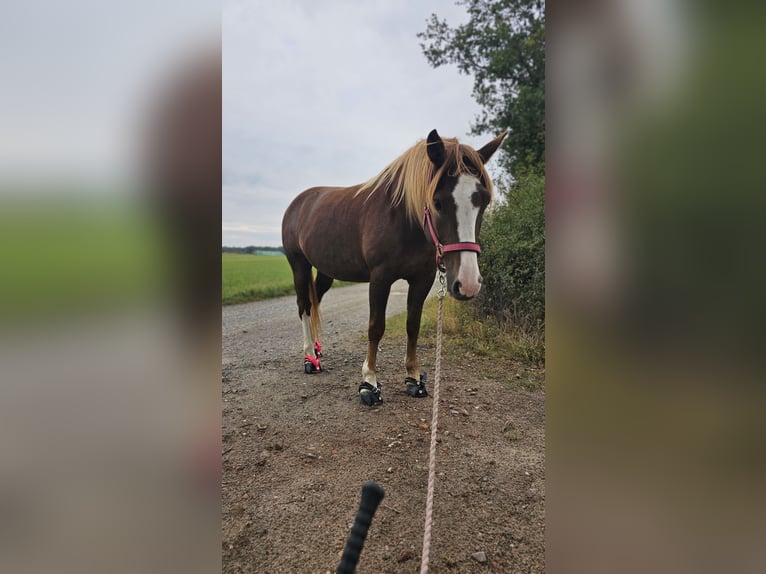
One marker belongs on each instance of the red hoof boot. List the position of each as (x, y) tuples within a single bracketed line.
[(317, 349), (311, 365)]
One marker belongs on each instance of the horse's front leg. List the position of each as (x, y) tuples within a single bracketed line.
[(416, 297), (369, 390)]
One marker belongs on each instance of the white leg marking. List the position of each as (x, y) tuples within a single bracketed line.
[(308, 344), (467, 212), (369, 375)]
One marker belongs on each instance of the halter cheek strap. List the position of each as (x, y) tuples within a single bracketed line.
[(442, 249)]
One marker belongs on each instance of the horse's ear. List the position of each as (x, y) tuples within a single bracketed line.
[(435, 148), (489, 150)]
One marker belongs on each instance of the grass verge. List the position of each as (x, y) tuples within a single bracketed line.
[(512, 355)]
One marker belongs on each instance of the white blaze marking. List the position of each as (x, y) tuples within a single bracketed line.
[(308, 344), (466, 213)]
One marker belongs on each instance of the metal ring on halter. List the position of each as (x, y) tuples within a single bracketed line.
[(440, 258)]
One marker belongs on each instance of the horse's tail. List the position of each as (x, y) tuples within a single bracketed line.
[(315, 319)]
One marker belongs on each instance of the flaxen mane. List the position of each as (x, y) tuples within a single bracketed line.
[(409, 177)]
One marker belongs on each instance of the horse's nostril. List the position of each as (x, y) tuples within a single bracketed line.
[(456, 287)]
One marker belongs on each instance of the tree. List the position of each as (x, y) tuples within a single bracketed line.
[(503, 47)]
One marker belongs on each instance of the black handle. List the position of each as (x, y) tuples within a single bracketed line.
[(372, 494)]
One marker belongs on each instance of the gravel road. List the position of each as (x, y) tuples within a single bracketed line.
[(297, 449), (272, 326)]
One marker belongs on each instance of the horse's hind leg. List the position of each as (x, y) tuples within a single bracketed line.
[(303, 285), (323, 283)]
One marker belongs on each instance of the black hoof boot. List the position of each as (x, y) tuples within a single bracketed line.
[(416, 388), (369, 394)]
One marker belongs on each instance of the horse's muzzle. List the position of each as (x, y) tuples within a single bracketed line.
[(463, 294)]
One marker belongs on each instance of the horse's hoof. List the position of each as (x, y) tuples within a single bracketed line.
[(311, 365), (370, 395), (416, 388)]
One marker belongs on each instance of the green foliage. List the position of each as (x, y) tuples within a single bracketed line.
[(503, 47), (512, 296), (513, 257), (254, 250), (465, 336), (254, 277)]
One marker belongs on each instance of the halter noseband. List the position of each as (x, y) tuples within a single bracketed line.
[(442, 249)]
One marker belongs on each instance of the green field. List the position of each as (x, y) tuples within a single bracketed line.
[(253, 277), (62, 256)]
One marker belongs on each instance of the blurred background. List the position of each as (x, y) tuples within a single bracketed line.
[(110, 116), (655, 430)]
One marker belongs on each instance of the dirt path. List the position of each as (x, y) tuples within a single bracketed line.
[(297, 449)]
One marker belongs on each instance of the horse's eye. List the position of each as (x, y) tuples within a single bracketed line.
[(437, 205)]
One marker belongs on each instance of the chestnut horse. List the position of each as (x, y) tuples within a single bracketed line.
[(421, 212)]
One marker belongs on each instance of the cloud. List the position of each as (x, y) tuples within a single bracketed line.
[(327, 94), (78, 77)]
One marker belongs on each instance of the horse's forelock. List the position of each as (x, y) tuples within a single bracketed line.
[(411, 179)]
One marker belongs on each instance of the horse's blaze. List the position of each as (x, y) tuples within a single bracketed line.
[(466, 212), (468, 275)]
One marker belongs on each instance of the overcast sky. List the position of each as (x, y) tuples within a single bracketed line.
[(79, 79), (325, 93)]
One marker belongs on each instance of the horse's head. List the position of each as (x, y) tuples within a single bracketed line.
[(459, 200)]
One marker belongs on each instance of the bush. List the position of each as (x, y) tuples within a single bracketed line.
[(513, 258)]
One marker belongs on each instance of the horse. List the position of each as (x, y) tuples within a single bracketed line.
[(421, 213)]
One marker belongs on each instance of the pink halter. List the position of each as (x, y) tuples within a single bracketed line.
[(442, 249)]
